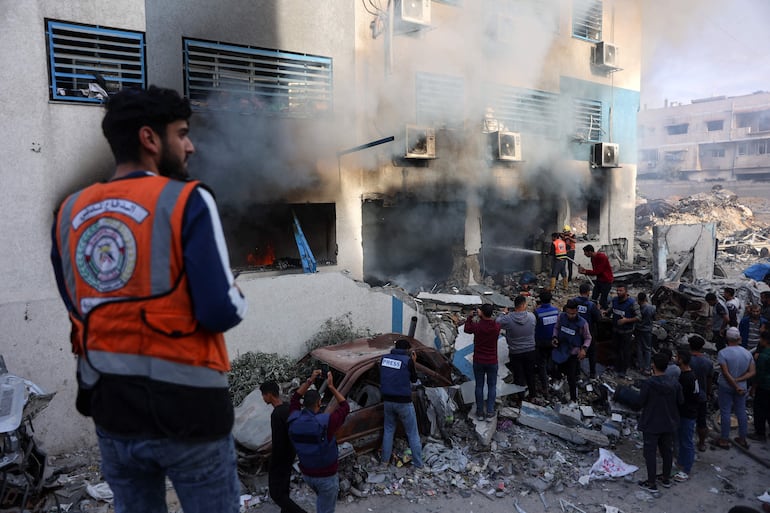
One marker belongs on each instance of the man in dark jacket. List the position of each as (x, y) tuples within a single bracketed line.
[(688, 412), (282, 454), (588, 310), (312, 434), (397, 373), (660, 397), (625, 313)]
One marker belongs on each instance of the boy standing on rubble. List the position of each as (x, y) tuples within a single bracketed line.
[(660, 397), (703, 368)]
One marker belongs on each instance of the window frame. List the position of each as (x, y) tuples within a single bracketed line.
[(582, 109), (266, 77), (587, 14), (54, 84)]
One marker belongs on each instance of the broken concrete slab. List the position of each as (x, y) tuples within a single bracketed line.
[(695, 243), (451, 299), (548, 421), (489, 295)]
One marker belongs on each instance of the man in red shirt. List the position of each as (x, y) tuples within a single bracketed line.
[(601, 269), (485, 332)]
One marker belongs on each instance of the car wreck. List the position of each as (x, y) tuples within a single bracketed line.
[(355, 369)]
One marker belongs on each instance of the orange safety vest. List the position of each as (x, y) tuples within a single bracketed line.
[(559, 248), (121, 248)]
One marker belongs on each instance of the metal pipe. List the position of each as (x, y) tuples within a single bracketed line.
[(413, 326)]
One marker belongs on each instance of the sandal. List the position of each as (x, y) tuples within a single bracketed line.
[(722, 444), (741, 442)]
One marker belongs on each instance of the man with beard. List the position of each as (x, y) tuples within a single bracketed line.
[(142, 267)]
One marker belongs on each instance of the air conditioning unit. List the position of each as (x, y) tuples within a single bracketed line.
[(605, 155), (606, 55), (505, 146), (411, 15), (420, 142)]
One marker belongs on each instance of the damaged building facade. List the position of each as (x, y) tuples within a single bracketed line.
[(718, 138), (402, 142)]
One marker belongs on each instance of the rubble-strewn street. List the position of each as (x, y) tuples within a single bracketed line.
[(545, 455)]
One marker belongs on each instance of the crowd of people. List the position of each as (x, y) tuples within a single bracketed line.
[(144, 274)]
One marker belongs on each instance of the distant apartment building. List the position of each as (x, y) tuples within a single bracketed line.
[(405, 139), (719, 138)]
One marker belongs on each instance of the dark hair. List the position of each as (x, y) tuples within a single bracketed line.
[(545, 297), (764, 335), (730, 290), (311, 398), (131, 109), (711, 296), (684, 356), (642, 297), (588, 247), (270, 387), (660, 360), (487, 309), (585, 287), (571, 304), (697, 342), (518, 301), (555, 235), (403, 343)]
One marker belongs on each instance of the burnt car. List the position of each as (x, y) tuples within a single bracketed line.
[(355, 370)]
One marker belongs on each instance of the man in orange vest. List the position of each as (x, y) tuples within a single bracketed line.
[(142, 268), (558, 254)]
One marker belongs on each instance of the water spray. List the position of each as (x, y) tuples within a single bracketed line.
[(514, 249)]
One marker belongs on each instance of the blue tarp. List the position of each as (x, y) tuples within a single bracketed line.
[(757, 271)]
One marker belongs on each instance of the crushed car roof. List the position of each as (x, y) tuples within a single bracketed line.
[(347, 355)]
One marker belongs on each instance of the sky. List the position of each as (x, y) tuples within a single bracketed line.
[(701, 48)]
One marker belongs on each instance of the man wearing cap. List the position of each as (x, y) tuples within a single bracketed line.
[(571, 241), (571, 340), (737, 366)]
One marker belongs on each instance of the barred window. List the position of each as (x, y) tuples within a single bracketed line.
[(440, 99), (588, 119), (526, 110), (87, 63), (587, 19), (245, 79)]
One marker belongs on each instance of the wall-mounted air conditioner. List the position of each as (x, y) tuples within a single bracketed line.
[(605, 155), (420, 142), (411, 15), (505, 146), (606, 55)]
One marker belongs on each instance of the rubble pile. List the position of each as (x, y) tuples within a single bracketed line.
[(720, 206)]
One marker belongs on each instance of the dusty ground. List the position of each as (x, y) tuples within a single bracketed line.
[(720, 480)]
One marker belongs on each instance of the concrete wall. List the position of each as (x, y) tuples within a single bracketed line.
[(676, 242)]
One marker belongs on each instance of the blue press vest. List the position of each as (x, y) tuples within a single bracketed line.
[(570, 336), (394, 374), (546, 318), (307, 431), (622, 310), (584, 307)]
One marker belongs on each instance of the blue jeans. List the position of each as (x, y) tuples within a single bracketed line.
[(643, 349), (686, 454), (326, 489), (405, 412), (729, 401), (490, 371), (203, 473)]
